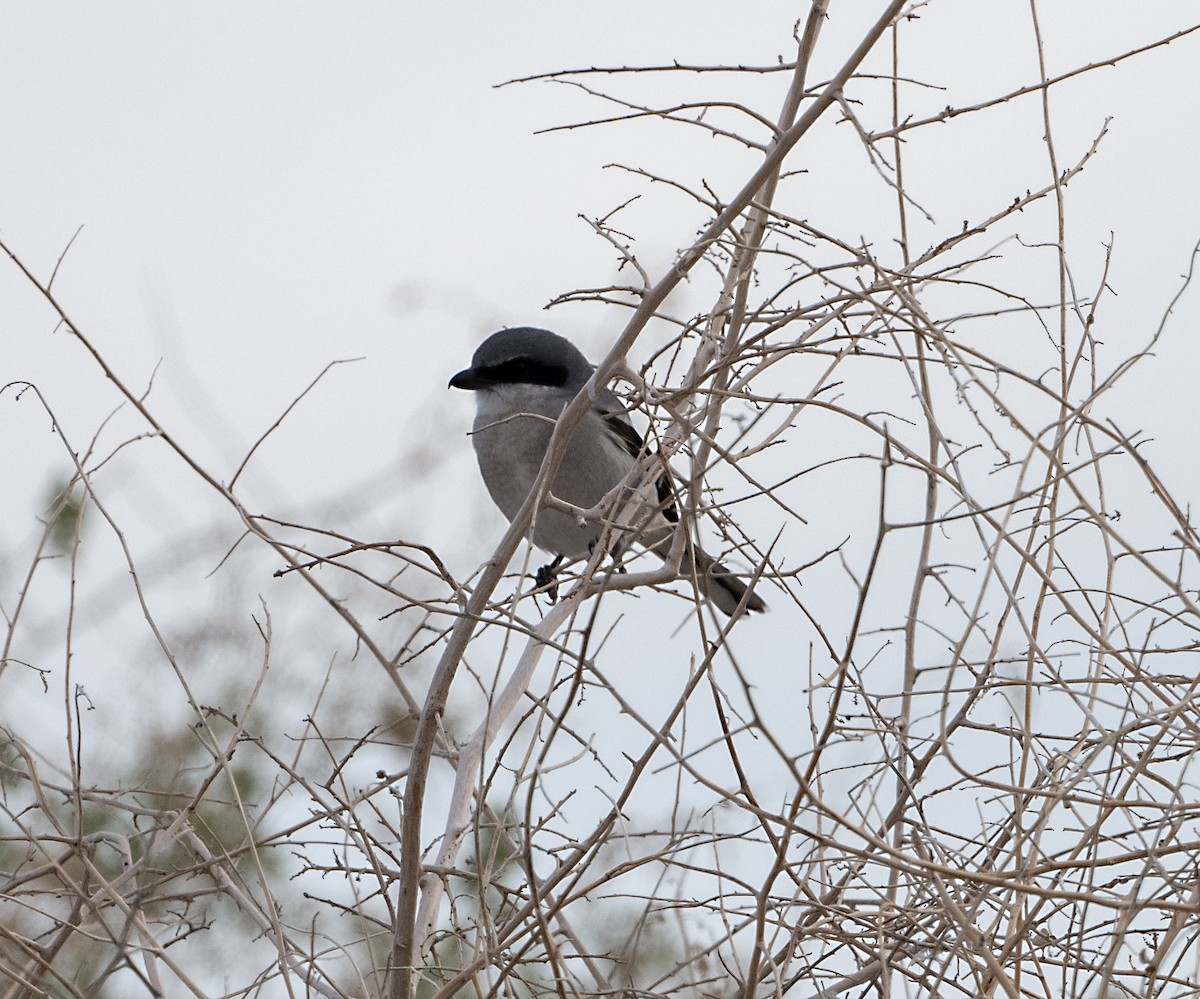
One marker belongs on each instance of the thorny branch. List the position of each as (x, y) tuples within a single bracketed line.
[(957, 758)]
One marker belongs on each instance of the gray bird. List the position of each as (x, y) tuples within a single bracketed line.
[(522, 379)]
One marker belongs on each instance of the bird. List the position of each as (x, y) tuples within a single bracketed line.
[(522, 378)]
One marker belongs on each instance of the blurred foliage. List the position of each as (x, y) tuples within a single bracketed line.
[(65, 505)]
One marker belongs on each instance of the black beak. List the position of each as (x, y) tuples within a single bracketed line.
[(468, 380)]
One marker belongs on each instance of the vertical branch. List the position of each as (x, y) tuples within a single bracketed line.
[(921, 570)]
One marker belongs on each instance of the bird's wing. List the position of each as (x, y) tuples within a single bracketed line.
[(620, 427), (633, 442)]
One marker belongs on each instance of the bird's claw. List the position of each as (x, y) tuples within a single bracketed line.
[(545, 579)]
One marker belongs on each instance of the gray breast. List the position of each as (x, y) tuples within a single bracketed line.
[(510, 443)]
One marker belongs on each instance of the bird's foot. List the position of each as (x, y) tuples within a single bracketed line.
[(545, 579)]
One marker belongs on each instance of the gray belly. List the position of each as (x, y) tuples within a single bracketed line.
[(510, 454)]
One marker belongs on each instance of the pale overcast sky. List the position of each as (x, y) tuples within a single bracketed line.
[(265, 188)]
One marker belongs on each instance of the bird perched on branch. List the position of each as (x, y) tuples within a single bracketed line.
[(522, 379)]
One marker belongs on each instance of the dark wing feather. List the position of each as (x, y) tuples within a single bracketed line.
[(632, 441), (623, 430)]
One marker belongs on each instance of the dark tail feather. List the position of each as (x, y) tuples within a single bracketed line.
[(720, 586), (724, 590)]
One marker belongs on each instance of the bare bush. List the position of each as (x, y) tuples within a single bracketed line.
[(955, 759)]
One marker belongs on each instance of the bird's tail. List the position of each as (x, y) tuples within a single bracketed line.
[(723, 589), (716, 581)]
